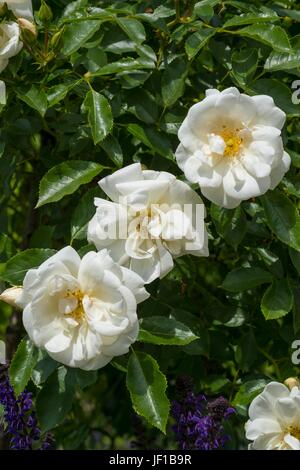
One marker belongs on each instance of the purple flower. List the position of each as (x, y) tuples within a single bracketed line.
[(199, 422), (21, 425)]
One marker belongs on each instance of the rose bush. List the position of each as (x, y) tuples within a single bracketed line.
[(167, 296)]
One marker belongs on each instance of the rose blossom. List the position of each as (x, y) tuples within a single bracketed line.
[(274, 422), (10, 43), (231, 146), (81, 311), (149, 206)]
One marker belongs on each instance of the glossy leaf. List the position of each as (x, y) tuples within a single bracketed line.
[(282, 218), (272, 35), (65, 178), (99, 115), (82, 214), (133, 28), (277, 300), (147, 386), (173, 81), (36, 98), (246, 278), (77, 34), (22, 365), (55, 399), (18, 265), (162, 330), (197, 40)]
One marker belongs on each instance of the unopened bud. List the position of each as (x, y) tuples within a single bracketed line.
[(292, 382), (56, 39), (36, 142), (28, 29), (45, 14), (12, 296)]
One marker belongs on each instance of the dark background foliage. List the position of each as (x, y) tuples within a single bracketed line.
[(143, 64)]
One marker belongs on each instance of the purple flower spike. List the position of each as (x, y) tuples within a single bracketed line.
[(199, 422), (21, 425)]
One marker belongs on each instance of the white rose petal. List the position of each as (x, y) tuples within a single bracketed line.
[(274, 422), (81, 311), (10, 43), (152, 218), (231, 146), (21, 8)]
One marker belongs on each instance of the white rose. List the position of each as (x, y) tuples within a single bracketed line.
[(21, 8), (10, 43), (231, 146), (275, 419), (81, 311), (2, 92), (150, 205)]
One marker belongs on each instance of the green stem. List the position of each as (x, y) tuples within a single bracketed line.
[(273, 362)]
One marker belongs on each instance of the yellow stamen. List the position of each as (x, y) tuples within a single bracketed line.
[(232, 141), (78, 312), (294, 431)]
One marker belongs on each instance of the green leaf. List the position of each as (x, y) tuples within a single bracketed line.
[(244, 64), (284, 61), (35, 98), (99, 115), (295, 157), (113, 149), (77, 34), (295, 257), (231, 224), (124, 65), (273, 36), (55, 399), (57, 93), (173, 81), (281, 93), (246, 278), (204, 9), (44, 367), (280, 61), (147, 386), (65, 178), (143, 105), (18, 265), (248, 391), (264, 16), (163, 330), (199, 346), (197, 40), (85, 378), (82, 214), (22, 364), (133, 28), (154, 140), (282, 218), (277, 301), (296, 309), (246, 352)]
